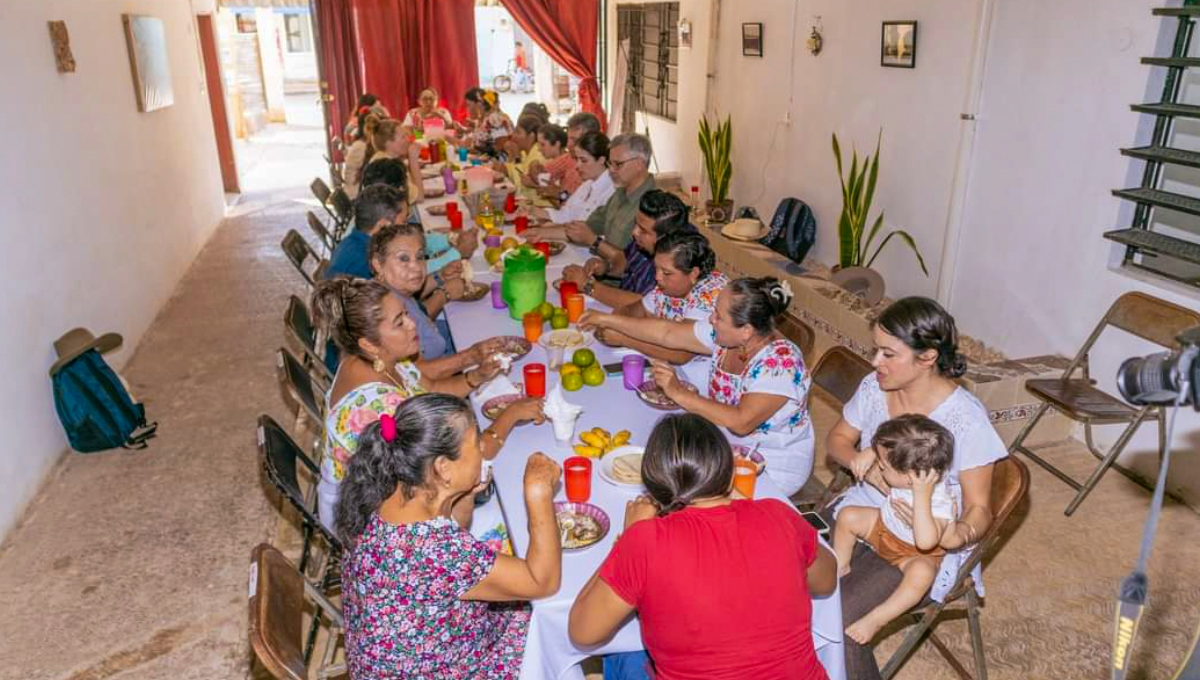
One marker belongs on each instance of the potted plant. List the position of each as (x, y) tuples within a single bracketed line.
[(717, 146), (855, 241)]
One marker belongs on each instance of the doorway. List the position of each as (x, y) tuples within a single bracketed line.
[(511, 63), (216, 102)]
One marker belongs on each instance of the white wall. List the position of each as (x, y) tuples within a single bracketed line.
[(104, 207)]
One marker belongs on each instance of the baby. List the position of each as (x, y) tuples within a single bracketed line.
[(913, 454)]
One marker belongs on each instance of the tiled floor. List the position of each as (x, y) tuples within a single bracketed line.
[(133, 565)]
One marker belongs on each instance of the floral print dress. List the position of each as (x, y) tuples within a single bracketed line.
[(697, 305), (786, 438), (401, 586)]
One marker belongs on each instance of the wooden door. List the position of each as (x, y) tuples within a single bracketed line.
[(216, 101)]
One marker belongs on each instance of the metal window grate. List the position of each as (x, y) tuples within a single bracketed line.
[(653, 76)]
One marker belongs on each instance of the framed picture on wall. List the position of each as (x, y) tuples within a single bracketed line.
[(899, 45), (752, 40), (147, 42)]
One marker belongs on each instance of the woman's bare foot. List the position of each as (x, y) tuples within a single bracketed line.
[(864, 629)]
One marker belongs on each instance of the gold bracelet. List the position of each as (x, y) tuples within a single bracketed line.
[(489, 432)]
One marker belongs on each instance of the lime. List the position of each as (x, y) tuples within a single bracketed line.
[(572, 381), (593, 375), (546, 310), (583, 358), (559, 321)]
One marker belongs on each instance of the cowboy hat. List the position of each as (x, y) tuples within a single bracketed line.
[(865, 283), (745, 229), (79, 340)]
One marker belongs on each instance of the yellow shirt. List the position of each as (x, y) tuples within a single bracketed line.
[(519, 168)]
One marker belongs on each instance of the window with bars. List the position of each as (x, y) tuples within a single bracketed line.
[(652, 83), (299, 35)]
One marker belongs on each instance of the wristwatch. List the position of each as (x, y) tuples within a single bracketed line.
[(594, 249), (589, 286)]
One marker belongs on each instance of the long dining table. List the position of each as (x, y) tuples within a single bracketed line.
[(549, 653)]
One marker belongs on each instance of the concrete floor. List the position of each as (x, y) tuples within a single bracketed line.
[(134, 565)]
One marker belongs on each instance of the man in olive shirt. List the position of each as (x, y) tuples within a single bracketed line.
[(612, 224)]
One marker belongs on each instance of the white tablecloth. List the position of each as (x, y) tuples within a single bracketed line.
[(549, 654)]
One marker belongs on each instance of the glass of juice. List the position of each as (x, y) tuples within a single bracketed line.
[(532, 323), (535, 380), (577, 478), (575, 305), (745, 474)]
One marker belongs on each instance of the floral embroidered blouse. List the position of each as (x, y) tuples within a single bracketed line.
[(401, 586), (786, 438), (360, 407), (697, 305)]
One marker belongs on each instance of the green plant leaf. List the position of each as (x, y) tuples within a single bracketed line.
[(912, 244), (846, 248)]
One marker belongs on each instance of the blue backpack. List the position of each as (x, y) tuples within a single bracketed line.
[(95, 408)]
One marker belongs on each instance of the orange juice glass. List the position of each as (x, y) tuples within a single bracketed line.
[(533, 326), (745, 474), (575, 307)]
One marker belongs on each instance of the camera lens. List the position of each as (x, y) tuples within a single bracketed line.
[(1149, 380)]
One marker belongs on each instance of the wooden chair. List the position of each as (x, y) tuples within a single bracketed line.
[(323, 235), (835, 379), (1147, 317), (279, 595), (798, 332), (300, 326), (299, 252), (1010, 483), (323, 194)]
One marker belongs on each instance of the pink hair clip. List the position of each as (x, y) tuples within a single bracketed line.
[(387, 428)]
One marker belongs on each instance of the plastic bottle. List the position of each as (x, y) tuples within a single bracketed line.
[(695, 198)]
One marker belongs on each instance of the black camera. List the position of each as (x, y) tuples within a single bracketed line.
[(1160, 379)]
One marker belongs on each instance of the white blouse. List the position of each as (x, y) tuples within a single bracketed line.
[(975, 444), (590, 195)]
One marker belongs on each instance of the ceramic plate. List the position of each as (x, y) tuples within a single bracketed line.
[(654, 397), (580, 525), (475, 291), (438, 210), (569, 338), (515, 345), (492, 408), (623, 481)]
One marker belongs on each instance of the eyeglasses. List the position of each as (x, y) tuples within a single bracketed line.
[(616, 165), (405, 258)]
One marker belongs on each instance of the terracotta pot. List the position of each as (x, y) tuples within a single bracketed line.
[(719, 213), (861, 281)]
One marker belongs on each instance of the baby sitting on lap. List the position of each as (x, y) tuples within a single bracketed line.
[(913, 454)]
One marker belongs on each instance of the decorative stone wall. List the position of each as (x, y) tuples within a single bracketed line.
[(840, 318)]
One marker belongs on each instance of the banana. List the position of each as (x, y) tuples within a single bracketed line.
[(592, 439), (587, 451), (621, 438)]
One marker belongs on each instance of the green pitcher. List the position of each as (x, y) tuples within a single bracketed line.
[(523, 284)]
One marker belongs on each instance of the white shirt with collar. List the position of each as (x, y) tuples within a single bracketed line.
[(590, 195)]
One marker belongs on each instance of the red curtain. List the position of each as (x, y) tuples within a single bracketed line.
[(339, 60), (567, 31), (408, 45)]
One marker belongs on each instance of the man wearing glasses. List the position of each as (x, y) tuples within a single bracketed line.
[(611, 225)]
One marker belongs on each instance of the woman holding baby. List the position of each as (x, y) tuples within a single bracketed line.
[(916, 361)]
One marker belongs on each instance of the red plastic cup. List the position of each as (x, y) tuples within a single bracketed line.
[(452, 208), (455, 218), (565, 290), (510, 203), (535, 380), (543, 248), (521, 223), (577, 478)]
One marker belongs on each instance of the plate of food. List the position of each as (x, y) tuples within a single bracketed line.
[(622, 467), (475, 291), (492, 408), (430, 172), (556, 247), (580, 525), (653, 396), (567, 338), (438, 210), (751, 453), (514, 345), (434, 190)]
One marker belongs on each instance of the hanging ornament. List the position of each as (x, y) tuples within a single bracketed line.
[(815, 41)]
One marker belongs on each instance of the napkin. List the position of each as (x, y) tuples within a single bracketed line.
[(499, 386), (468, 274), (562, 414)]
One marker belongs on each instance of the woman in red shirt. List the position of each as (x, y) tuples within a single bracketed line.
[(723, 587)]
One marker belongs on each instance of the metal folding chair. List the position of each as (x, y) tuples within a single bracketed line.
[(323, 194), (1147, 317), (1010, 483), (300, 385), (299, 252), (300, 326), (343, 209), (323, 235), (279, 595), (835, 379)]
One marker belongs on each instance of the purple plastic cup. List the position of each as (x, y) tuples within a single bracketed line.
[(633, 371), (497, 296), (491, 241)]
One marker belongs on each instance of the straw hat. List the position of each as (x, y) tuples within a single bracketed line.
[(745, 229), (79, 340)]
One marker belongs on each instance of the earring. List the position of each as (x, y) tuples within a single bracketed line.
[(379, 366)]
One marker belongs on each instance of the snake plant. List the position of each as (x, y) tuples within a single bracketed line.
[(717, 147)]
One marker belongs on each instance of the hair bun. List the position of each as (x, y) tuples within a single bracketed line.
[(779, 293), (952, 364)]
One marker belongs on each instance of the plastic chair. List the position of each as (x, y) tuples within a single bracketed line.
[(1010, 483), (1147, 317), (279, 594), (835, 379), (299, 252), (300, 326), (323, 235)]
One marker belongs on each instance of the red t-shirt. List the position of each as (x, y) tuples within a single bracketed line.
[(721, 592)]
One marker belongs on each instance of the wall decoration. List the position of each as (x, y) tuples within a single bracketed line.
[(61, 41), (898, 48), (147, 42), (752, 40), (815, 40)]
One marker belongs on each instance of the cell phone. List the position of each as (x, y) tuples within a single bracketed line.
[(613, 369), (817, 522)]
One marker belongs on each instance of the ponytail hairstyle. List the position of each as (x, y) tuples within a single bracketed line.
[(385, 131), (759, 302), (687, 458), (349, 310), (423, 429), (367, 124), (688, 250), (922, 324)]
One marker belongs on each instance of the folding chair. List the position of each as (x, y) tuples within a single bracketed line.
[(323, 194), (1147, 317), (835, 379), (323, 235), (798, 332), (300, 326), (343, 209), (299, 252), (300, 385), (279, 594), (280, 456), (1010, 482)]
